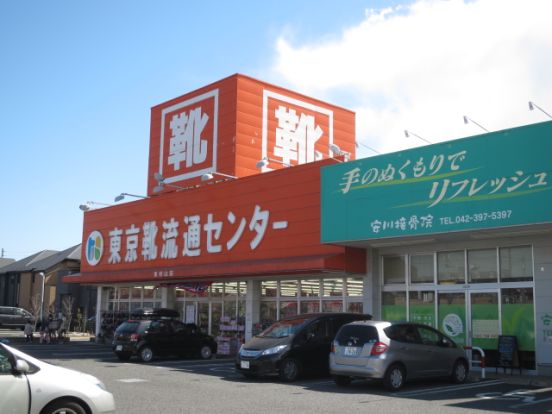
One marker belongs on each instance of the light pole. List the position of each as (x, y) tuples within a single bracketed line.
[(42, 298)]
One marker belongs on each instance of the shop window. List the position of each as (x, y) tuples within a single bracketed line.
[(422, 307), (451, 268), (310, 288), (231, 289), (216, 314), (310, 306), (355, 307), (518, 316), (242, 289), (393, 306), (136, 293), (516, 264), (149, 292), (288, 309), (332, 306), (268, 314), (332, 287), (217, 290), (124, 293), (180, 293), (269, 289), (394, 270), (203, 316), (288, 288), (111, 293), (355, 286), (422, 268), (482, 266), (135, 305)]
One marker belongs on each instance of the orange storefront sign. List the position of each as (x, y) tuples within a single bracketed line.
[(258, 225), (232, 124), (256, 219)]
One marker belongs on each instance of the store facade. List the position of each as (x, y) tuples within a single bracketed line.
[(230, 232), (458, 235)]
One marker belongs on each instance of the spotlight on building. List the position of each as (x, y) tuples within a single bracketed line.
[(210, 175), (408, 134), (467, 120), (533, 105), (122, 196)]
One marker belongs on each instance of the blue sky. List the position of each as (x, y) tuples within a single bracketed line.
[(78, 79)]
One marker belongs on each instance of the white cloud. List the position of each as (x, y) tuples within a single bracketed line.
[(423, 66)]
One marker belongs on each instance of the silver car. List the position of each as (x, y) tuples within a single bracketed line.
[(394, 352)]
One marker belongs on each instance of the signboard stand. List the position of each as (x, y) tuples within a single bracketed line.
[(508, 355)]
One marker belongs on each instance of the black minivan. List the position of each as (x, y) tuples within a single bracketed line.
[(293, 346)]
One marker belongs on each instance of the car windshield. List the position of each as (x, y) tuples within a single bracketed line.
[(283, 328), (133, 327)]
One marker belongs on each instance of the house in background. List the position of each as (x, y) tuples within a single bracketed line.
[(21, 281)]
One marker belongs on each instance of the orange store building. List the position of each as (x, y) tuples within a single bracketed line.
[(230, 232)]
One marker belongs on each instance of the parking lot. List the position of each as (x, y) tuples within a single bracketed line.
[(190, 386)]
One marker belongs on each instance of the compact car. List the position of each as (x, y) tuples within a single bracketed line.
[(14, 318), (293, 346), (159, 337), (29, 385), (394, 352)]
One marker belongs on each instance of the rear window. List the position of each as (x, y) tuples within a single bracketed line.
[(356, 335), (133, 327)]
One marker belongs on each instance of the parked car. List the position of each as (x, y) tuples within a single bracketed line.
[(161, 336), (395, 352), (293, 346), (33, 386), (14, 318)]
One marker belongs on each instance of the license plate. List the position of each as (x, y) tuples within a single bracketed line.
[(244, 364), (351, 351), (119, 348)]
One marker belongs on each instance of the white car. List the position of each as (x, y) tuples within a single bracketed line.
[(32, 386)]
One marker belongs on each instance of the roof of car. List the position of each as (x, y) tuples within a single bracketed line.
[(328, 315)]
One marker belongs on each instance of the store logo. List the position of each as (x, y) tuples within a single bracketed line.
[(94, 248), (546, 320), (453, 325)]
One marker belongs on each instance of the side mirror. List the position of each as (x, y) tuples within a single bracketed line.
[(22, 367)]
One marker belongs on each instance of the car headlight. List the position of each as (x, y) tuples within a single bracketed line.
[(274, 350)]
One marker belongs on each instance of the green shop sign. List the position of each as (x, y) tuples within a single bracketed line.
[(493, 180)]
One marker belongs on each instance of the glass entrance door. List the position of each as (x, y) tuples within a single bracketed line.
[(484, 326), (451, 312)]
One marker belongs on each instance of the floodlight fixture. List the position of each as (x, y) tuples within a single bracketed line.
[(533, 105), (266, 160), (408, 133), (122, 196), (467, 120), (89, 205), (339, 152), (210, 175)]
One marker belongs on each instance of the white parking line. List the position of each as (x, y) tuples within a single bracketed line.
[(434, 390), (132, 380)]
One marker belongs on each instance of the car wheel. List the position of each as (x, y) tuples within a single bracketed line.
[(206, 352), (342, 380), (123, 356), (459, 372), (289, 370), (145, 354), (395, 377), (64, 407)]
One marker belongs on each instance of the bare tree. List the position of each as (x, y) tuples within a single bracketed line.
[(35, 307), (67, 303)]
